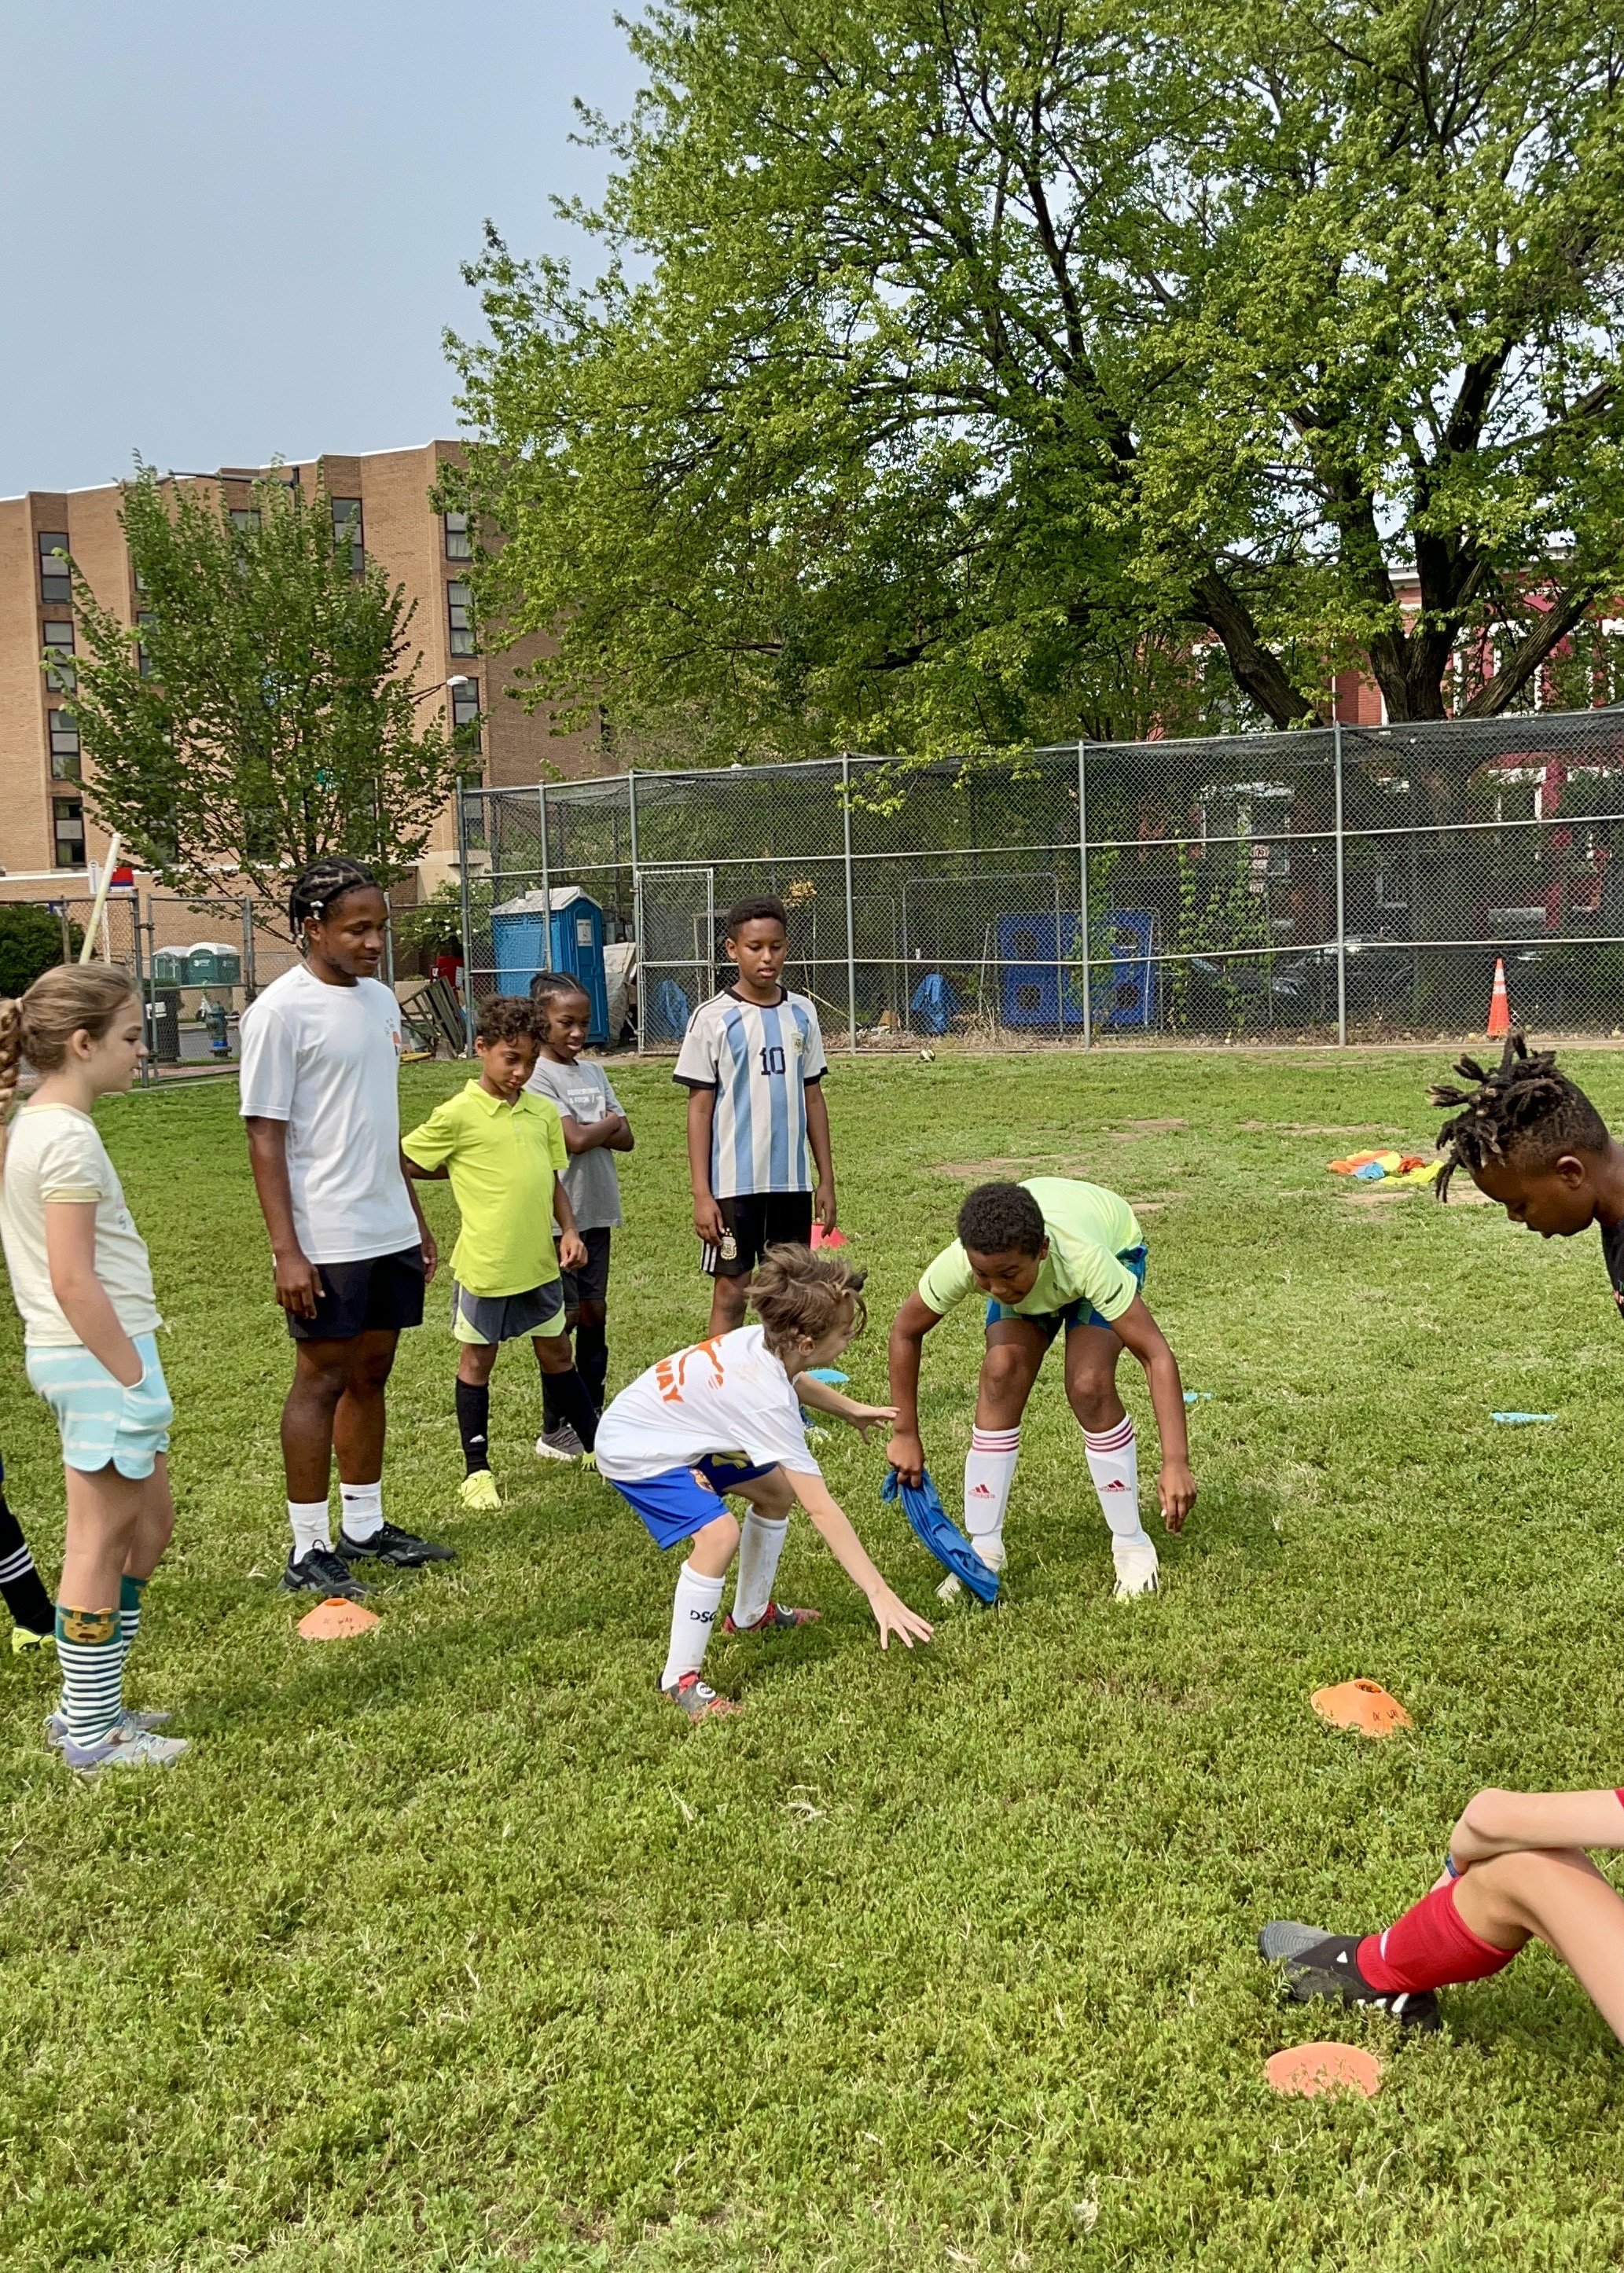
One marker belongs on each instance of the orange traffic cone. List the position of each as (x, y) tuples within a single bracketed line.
[(1500, 1001)]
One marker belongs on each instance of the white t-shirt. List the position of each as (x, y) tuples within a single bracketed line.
[(729, 1397), (324, 1059), (55, 1152)]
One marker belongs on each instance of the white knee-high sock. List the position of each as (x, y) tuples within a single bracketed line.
[(990, 1472), (760, 1545), (363, 1510), (692, 1614), (1114, 1464)]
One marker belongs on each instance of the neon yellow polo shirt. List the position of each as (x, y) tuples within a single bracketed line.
[(1087, 1229), (504, 1159)]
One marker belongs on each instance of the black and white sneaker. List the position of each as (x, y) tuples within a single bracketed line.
[(401, 1549), (1320, 1964), (318, 1571)]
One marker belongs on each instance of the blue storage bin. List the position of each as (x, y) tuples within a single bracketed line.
[(1039, 986), (527, 935)]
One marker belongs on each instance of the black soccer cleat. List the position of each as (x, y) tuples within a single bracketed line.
[(1320, 1964), (318, 1571), (401, 1549)]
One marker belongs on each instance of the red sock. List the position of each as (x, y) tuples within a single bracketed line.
[(1427, 1949)]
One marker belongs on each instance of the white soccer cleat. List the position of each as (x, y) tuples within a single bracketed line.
[(1137, 1569), (992, 1552)]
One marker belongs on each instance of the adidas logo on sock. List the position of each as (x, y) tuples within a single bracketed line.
[(981, 1492), (1115, 1484)]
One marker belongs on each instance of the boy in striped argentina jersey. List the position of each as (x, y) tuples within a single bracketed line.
[(752, 1061)]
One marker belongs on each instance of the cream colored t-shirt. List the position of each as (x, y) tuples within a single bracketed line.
[(54, 1152)]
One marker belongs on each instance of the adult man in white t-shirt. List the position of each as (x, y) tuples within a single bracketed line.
[(351, 1250)]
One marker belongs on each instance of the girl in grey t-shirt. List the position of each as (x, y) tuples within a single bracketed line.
[(595, 1128)]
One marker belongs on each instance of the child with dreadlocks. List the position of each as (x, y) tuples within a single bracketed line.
[(724, 1420), (1530, 1138), (350, 1249)]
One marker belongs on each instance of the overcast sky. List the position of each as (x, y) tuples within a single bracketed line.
[(233, 230)]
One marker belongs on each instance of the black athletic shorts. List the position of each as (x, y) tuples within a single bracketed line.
[(590, 1283), (381, 1295), (758, 1220)]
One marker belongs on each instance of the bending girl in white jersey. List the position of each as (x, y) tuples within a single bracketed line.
[(723, 1419)]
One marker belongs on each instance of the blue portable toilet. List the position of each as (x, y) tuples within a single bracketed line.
[(562, 930)]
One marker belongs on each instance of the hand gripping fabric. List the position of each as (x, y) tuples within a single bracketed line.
[(929, 1524)]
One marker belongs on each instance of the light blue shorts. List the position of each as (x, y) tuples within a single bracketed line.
[(101, 1421)]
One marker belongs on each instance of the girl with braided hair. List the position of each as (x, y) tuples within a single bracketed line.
[(350, 1249), (82, 1281), (1530, 1139)]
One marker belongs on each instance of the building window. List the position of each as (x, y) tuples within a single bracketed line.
[(244, 519), (458, 603), (347, 532), (68, 825), (459, 537), (56, 580), (59, 672), (65, 750), (465, 704), (143, 661)]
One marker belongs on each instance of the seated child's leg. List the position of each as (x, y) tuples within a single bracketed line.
[(1091, 1355), (475, 1363), (1015, 1349), (699, 1597), (761, 1543), (20, 1584), (557, 1361), (1558, 1894)]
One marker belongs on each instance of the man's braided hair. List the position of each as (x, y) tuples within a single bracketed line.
[(1523, 1107), (324, 882)]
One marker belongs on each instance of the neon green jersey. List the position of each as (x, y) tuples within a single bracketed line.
[(1087, 1229), (503, 1160)]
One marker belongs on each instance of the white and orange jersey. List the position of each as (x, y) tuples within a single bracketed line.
[(730, 1398)]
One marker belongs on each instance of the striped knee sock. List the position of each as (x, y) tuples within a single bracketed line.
[(90, 1652), (130, 1593)]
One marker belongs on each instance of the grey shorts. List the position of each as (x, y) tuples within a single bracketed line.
[(489, 1319)]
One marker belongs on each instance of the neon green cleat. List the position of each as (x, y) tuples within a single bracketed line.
[(480, 1491)]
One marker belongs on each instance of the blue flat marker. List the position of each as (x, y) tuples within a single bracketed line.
[(1521, 1419), (1198, 1396), (830, 1376)]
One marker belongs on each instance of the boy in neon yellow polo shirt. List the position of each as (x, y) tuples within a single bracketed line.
[(503, 1147), (1048, 1253)]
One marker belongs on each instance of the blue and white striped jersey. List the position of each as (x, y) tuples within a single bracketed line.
[(758, 1060)]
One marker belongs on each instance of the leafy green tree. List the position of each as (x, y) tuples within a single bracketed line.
[(261, 713), (30, 942), (958, 370)]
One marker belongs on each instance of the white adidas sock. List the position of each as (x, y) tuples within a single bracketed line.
[(1114, 1464), (990, 1472), (363, 1510), (692, 1614), (761, 1543), (309, 1518)]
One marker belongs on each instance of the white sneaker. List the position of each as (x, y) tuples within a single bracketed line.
[(1137, 1567), (991, 1550)]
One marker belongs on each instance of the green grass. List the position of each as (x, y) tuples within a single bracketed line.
[(452, 1947)]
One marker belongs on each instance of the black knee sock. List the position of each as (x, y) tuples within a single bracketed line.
[(473, 1410), (550, 1415), (592, 1360), (20, 1582), (573, 1404)]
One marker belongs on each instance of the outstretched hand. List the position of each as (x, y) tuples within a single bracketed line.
[(866, 1418), (892, 1615)]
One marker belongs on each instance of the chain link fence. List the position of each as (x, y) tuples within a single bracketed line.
[(1343, 884)]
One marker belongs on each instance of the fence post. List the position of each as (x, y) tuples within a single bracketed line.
[(468, 922), (1342, 919), (1082, 891), (546, 880), (141, 994), (642, 959), (249, 987), (851, 920)]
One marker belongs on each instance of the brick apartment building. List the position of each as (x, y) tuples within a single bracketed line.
[(379, 503)]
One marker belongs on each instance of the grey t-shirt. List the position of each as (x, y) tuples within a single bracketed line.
[(582, 1092)]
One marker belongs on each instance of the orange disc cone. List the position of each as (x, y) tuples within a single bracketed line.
[(1362, 1705), (1500, 1001), (335, 1620), (1310, 2070)]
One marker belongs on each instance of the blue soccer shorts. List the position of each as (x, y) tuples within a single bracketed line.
[(677, 1503), (1048, 1323)]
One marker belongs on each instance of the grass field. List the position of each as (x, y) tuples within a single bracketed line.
[(452, 1947)]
